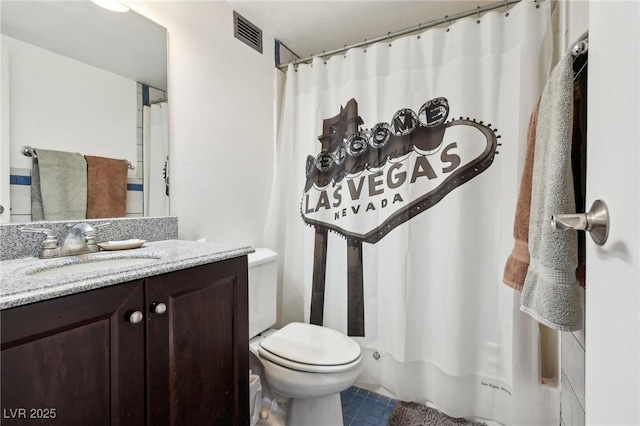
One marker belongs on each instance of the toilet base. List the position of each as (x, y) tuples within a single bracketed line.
[(320, 411)]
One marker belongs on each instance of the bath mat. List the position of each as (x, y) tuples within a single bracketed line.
[(414, 414)]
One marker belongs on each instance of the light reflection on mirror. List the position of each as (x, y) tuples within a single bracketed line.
[(76, 77)]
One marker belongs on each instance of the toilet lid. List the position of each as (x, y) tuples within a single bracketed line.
[(311, 345)]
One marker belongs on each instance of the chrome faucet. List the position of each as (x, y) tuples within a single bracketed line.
[(81, 239), (76, 242)]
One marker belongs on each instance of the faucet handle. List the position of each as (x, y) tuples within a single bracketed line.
[(50, 241), (50, 247), (93, 235), (92, 230)]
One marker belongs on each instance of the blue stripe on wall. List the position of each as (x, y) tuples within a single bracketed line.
[(26, 180), (19, 180)]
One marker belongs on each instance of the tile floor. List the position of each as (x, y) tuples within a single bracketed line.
[(361, 407)]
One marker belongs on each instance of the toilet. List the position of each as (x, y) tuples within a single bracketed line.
[(305, 366)]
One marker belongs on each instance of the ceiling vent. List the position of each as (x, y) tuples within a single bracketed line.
[(246, 32)]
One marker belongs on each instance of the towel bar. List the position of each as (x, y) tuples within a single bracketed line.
[(29, 151)]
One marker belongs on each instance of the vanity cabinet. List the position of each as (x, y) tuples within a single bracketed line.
[(84, 360), (74, 360), (198, 351)]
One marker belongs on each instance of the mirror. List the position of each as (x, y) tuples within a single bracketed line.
[(76, 77)]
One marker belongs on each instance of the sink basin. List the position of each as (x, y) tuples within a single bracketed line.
[(93, 266)]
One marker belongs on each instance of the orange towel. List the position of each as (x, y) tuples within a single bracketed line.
[(518, 262), (106, 187)]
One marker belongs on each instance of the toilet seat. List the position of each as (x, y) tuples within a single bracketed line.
[(311, 348)]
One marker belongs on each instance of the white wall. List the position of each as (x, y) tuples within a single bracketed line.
[(220, 122), (63, 104)]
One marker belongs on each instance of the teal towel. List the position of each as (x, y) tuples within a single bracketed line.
[(58, 186)]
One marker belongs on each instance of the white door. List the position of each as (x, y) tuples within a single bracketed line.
[(612, 389)]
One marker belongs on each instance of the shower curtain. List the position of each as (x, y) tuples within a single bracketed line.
[(397, 172), (156, 159)]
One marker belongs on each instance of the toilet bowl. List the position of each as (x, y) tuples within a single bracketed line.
[(305, 366), (310, 365)]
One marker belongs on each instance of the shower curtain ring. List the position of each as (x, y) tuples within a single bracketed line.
[(389, 38), (446, 21), (345, 51), (478, 12), (419, 30), (506, 5)]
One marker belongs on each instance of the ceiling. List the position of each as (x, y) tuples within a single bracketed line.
[(310, 27), (130, 45)]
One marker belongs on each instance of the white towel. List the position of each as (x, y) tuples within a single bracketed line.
[(551, 293)]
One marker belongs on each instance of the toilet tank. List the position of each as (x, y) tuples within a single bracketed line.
[(263, 283)]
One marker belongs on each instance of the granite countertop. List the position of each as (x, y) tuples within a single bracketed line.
[(18, 285)]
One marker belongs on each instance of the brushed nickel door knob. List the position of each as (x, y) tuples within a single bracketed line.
[(595, 221)]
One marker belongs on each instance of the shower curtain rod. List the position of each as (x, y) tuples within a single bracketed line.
[(416, 28)]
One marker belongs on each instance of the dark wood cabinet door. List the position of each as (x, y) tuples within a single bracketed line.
[(197, 351), (74, 360)]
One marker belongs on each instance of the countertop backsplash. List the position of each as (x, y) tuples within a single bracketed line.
[(15, 244)]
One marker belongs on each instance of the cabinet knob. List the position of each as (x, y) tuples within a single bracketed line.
[(159, 308), (135, 317)]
